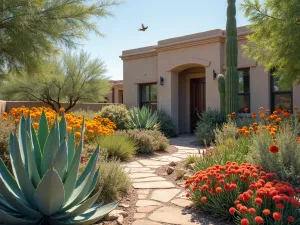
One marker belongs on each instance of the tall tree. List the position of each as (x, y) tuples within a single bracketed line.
[(274, 42), (71, 79), (33, 29)]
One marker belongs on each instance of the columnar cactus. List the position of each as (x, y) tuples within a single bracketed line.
[(221, 84), (231, 60)]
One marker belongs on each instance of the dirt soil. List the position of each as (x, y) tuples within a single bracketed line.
[(170, 150)]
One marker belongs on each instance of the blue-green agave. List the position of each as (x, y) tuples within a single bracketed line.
[(143, 118), (45, 187)]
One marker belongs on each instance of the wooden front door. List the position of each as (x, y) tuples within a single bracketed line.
[(197, 100)]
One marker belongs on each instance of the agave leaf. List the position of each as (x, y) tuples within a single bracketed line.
[(43, 131), (11, 212), (11, 220), (50, 195), (32, 167), (63, 128), (22, 142), (94, 183), (89, 166), (89, 218), (71, 179), (21, 175), (50, 148), (7, 178), (15, 202), (37, 148), (71, 148), (60, 161), (79, 209)]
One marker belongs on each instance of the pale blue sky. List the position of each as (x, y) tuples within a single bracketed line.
[(165, 18)]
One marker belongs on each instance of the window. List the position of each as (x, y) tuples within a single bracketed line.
[(244, 89), (281, 97), (148, 95)]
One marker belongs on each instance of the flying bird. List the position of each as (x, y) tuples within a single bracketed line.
[(143, 28)]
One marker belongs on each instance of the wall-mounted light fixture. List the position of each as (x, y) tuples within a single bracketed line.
[(214, 75), (161, 81)]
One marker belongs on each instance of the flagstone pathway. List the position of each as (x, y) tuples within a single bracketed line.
[(160, 201)]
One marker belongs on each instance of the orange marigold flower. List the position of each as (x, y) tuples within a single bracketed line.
[(296, 107), (252, 211), (78, 134), (258, 201), (280, 206), (232, 210), (291, 219), (277, 216), (35, 125), (254, 115), (229, 116), (266, 212), (69, 129), (278, 120), (259, 220), (243, 209), (16, 121), (246, 109), (244, 222), (274, 149), (219, 189), (62, 109)]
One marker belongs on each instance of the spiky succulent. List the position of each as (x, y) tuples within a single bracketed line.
[(45, 187), (143, 118)]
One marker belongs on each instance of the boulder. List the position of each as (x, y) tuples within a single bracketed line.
[(170, 170)]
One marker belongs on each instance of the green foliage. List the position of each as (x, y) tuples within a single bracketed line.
[(117, 146), (286, 163), (117, 114), (46, 188), (147, 141), (210, 119), (167, 126), (33, 30), (5, 130), (87, 114), (275, 40), (190, 160), (114, 181), (221, 86), (232, 79), (73, 78), (143, 118)]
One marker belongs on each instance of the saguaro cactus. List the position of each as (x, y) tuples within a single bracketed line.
[(221, 84), (231, 96)]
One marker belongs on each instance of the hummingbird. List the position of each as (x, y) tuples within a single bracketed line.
[(143, 28)]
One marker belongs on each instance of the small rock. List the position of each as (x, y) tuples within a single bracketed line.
[(113, 215), (172, 163), (120, 220), (187, 176), (170, 170), (124, 205), (191, 166)]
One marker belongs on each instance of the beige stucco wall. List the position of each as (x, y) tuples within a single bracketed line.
[(137, 71)]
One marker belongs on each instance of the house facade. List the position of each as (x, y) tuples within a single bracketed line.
[(179, 75), (116, 93)]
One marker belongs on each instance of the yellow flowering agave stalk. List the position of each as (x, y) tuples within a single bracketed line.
[(45, 187)]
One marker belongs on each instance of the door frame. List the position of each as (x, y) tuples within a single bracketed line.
[(203, 79)]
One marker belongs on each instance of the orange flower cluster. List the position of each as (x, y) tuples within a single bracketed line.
[(268, 201), (258, 198), (94, 127)]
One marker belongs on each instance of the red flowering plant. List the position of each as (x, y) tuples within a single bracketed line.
[(268, 202), (215, 189)]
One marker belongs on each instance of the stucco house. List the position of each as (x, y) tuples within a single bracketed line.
[(116, 93), (179, 75)]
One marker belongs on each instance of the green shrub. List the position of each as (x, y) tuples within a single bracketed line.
[(143, 118), (210, 120), (117, 114), (88, 114), (167, 126), (147, 141), (227, 131), (114, 181), (4, 142), (286, 163), (117, 146)]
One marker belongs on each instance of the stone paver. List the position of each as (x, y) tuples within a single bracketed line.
[(145, 222), (149, 179), (147, 203), (146, 209), (142, 175), (155, 193), (164, 195), (171, 215), (153, 185), (182, 202)]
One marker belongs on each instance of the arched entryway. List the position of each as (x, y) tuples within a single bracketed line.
[(191, 92)]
